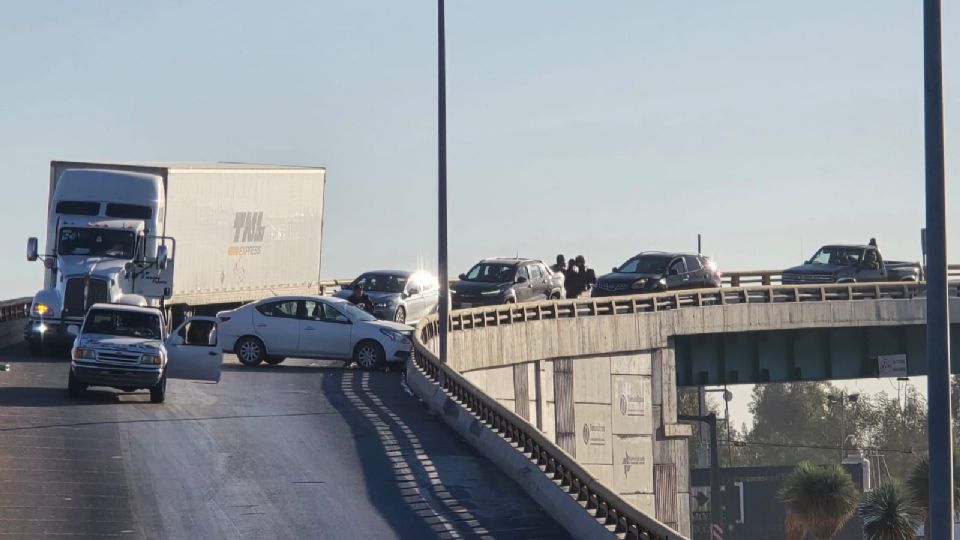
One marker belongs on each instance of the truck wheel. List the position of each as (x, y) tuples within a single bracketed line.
[(250, 351), (401, 316), (274, 360), (159, 392), (369, 355), (75, 387)]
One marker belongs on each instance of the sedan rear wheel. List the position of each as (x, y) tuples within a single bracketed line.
[(369, 355), (250, 351)]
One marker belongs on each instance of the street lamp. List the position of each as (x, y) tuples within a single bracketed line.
[(842, 398), (444, 307)]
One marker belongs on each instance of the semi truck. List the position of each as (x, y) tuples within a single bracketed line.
[(119, 232)]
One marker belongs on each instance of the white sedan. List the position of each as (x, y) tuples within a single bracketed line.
[(311, 327)]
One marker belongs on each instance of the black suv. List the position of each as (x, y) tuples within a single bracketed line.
[(655, 271), (504, 281)]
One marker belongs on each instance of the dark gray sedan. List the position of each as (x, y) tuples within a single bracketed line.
[(403, 296)]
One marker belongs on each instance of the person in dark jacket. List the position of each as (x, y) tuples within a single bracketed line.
[(572, 281), (560, 266), (361, 300), (587, 276)]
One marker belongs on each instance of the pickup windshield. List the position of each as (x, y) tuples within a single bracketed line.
[(117, 244), (837, 255), (122, 323), (388, 283), (492, 273), (645, 264)]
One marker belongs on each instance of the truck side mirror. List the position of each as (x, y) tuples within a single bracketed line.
[(73, 330), (162, 257), (32, 249)]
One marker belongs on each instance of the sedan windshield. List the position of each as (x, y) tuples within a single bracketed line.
[(117, 244), (122, 323), (645, 264), (837, 255), (354, 312), (388, 283), (491, 273)]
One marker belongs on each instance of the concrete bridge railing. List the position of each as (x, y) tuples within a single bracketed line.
[(586, 389)]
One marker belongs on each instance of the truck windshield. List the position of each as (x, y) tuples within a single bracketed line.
[(122, 323), (117, 244), (837, 255), (645, 264)]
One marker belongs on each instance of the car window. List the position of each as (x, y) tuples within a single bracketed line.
[(522, 273), (319, 311), (535, 272), (693, 262), (676, 267), (199, 332), (491, 273), (390, 283), (284, 310)]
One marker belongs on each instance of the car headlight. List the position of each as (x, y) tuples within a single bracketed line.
[(387, 303), (81, 353), (156, 359), (494, 292), (395, 335), (41, 309), (452, 291)]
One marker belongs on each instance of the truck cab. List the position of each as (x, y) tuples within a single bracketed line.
[(127, 347), (102, 244)]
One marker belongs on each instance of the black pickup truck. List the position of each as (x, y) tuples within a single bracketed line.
[(850, 264)]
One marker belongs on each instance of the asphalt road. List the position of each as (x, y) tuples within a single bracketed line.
[(306, 449)]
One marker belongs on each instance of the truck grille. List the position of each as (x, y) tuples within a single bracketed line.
[(79, 294), (118, 356)]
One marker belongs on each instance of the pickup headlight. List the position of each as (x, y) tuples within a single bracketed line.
[(81, 353), (40, 309), (494, 292), (155, 359), (395, 335)]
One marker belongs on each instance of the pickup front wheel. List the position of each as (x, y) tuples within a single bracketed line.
[(159, 392), (75, 387)]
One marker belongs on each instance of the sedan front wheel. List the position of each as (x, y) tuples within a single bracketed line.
[(369, 355)]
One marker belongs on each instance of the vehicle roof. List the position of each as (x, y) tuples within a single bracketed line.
[(855, 246), (126, 307), (299, 297), (232, 166), (396, 272), (508, 260), (672, 254)]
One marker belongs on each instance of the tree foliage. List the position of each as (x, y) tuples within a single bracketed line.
[(888, 512), (820, 498)]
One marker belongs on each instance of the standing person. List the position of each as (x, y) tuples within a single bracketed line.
[(572, 280), (560, 266), (359, 299), (587, 275)]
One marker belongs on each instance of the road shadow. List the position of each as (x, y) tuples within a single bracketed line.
[(32, 396), (20, 354)]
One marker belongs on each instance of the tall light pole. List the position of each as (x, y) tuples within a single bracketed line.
[(442, 184), (939, 439)]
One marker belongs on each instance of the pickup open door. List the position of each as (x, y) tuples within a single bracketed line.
[(192, 351)]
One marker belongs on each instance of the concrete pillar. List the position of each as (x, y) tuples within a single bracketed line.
[(671, 461)]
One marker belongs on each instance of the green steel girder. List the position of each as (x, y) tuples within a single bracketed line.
[(816, 354)]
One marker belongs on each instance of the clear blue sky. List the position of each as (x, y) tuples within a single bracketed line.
[(601, 128)]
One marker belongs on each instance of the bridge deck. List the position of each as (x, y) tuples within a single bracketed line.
[(304, 450)]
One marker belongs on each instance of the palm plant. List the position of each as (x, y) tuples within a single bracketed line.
[(819, 499), (888, 513), (918, 484)]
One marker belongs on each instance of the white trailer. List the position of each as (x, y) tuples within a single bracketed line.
[(233, 232)]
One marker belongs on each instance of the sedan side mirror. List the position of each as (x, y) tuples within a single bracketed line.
[(175, 340), (462, 277), (32, 249), (413, 291), (615, 269), (342, 319), (521, 279), (673, 272), (162, 257)]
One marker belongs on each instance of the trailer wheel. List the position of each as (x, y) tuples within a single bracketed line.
[(159, 392), (250, 351)]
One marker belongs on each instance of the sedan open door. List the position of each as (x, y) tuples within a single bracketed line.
[(192, 351)]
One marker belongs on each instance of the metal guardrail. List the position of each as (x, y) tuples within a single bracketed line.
[(618, 515), (12, 310)]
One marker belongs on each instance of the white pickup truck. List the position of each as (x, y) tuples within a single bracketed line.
[(126, 347)]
